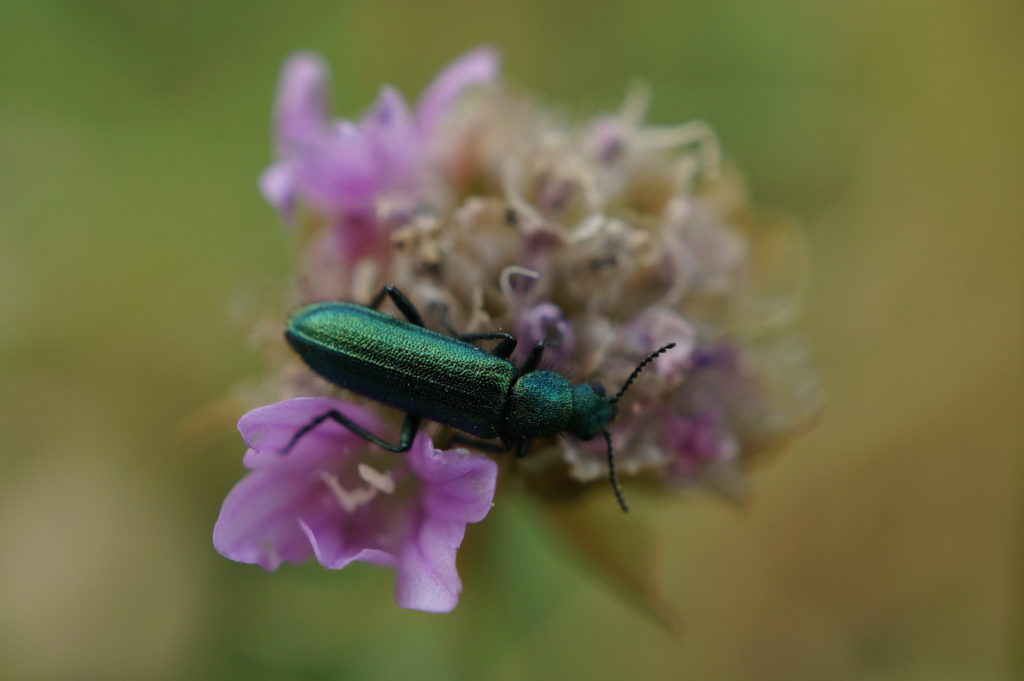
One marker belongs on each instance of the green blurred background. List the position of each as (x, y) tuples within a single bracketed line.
[(133, 244)]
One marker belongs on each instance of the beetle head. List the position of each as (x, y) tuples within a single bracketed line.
[(591, 410)]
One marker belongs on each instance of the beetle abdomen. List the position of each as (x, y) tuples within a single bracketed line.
[(403, 365)]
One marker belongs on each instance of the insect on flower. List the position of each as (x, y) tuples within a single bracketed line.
[(588, 244), (447, 379)]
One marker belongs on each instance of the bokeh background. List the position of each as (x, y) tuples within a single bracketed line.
[(885, 545)]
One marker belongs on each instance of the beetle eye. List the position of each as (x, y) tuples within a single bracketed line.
[(598, 389)]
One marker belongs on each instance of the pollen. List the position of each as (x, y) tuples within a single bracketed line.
[(349, 500), (382, 482)]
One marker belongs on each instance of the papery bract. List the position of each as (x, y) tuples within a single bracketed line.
[(696, 442)]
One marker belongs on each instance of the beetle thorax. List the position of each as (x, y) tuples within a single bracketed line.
[(540, 404)]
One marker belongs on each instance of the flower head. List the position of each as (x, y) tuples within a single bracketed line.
[(605, 240)]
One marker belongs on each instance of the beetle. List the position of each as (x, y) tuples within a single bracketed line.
[(447, 379)]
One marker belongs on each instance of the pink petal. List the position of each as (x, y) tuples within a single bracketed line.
[(268, 430), (475, 68), (459, 489), (325, 536), (278, 186), (257, 520), (341, 175), (301, 109), (390, 133), (426, 578), (460, 485), (351, 167)]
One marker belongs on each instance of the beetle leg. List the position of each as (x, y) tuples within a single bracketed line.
[(409, 427), (523, 448), (445, 322), (503, 349), (404, 305), (534, 358)]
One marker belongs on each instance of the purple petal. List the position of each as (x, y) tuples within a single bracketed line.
[(277, 184), (301, 110), (260, 519), (341, 175), (392, 137), (351, 167), (257, 520), (460, 485), (325, 536), (475, 68), (427, 579), (459, 489), (268, 430)]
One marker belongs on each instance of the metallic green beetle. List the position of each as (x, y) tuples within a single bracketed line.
[(446, 379)]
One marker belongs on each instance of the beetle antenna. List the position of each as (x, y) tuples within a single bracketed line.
[(611, 473), (640, 367)]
